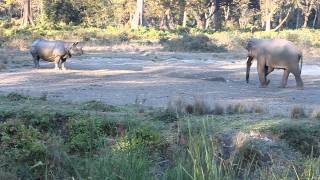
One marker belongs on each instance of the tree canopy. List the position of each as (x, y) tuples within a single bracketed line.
[(168, 14)]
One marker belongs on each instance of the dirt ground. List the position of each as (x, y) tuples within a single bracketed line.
[(153, 78)]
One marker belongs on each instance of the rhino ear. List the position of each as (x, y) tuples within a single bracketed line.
[(75, 44)]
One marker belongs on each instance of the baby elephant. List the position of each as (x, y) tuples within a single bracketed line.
[(53, 51), (274, 54)]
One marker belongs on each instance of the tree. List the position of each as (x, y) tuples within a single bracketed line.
[(137, 19), (307, 6), (268, 13), (182, 13), (27, 13), (317, 23)]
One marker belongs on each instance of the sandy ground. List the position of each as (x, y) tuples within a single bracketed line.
[(154, 78)]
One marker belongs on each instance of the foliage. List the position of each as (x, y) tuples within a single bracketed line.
[(58, 140)]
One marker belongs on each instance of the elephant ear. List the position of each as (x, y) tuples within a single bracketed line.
[(251, 44)]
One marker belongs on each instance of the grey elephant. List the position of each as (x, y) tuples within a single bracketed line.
[(274, 54), (53, 51)]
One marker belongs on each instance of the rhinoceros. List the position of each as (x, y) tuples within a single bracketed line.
[(53, 51)]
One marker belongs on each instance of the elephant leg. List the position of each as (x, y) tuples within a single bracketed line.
[(284, 78), (297, 75), (262, 74), (249, 63), (268, 70)]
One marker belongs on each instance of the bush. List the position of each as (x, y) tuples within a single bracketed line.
[(16, 97), (99, 106), (22, 145), (199, 43), (302, 136), (297, 112)]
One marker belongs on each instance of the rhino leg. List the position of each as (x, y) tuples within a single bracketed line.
[(63, 61), (36, 61), (57, 63)]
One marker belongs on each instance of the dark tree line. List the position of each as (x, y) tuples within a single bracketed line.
[(168, 14)]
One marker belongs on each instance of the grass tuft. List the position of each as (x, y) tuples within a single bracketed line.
[(316, 113), (297, 112)]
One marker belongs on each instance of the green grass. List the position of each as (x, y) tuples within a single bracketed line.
[(58, 140)]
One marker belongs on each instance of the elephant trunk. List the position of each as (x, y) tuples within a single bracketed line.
[(249, 63)]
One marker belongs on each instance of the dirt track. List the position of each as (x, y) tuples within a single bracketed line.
[(153, 78)]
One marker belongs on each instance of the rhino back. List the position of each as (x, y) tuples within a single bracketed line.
[(48, 50)]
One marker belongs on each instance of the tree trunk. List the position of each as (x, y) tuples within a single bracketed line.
[(138, 16), (27, 13), (268, 23), (315, 19), (208, 16), (166, 20), (307, 12), (282, 21), (318, 14), (182, 9), (217, 15), (298, 20), (268, 15), (201, 21), (184, 23), (306, 17)]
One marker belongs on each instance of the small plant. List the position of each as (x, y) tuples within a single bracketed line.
[(257, 109), (300, 135), (177, 106), (99, 106), (252, 154), (237, 108), (16, 97), (124, 37), (44, 96), (200, 106), (165, 116), (297, 112), (218, 109), (316, 114)]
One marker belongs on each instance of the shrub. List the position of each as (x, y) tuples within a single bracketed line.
[(99, 106), (22, 145), (253, 154), (192, 43), (302, 136), (16, 97)]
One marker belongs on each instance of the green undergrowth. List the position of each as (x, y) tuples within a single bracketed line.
[(179, 39), (44, 139)]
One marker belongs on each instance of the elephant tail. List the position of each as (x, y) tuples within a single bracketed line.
[(301, 59)]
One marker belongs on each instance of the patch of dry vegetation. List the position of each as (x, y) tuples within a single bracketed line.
[(315, 114), (297, 112), (200, 107)]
